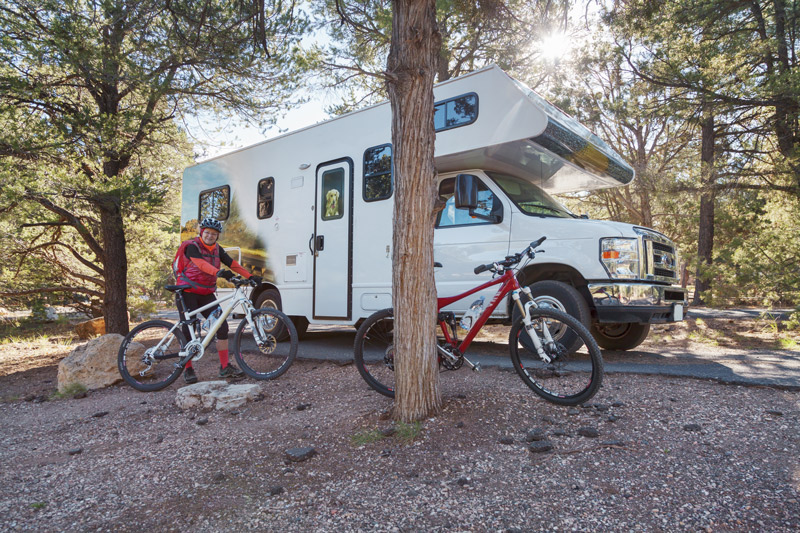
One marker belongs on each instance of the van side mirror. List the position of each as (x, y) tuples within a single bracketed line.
[(466, 193)]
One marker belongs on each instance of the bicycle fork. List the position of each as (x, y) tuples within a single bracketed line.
[(529, 327)]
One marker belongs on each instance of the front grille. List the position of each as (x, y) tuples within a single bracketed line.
[(660, 257)]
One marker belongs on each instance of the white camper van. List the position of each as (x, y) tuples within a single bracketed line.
[(312, 212)]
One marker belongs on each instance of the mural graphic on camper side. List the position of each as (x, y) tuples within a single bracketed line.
[(216, 197)]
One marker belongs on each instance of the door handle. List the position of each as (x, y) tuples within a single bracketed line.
[(319, 245), (311, 244)]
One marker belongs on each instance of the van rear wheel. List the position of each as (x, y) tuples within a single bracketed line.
[(272, 298)]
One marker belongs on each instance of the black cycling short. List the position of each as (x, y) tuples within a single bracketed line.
[(195, 301)]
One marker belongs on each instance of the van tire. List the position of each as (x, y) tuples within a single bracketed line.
[(620, 336), (272, 298), (561, 297), (300, 324)]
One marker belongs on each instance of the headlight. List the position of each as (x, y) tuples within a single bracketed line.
[(620, 257)]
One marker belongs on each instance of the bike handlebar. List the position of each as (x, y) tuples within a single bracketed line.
[(511, 260)]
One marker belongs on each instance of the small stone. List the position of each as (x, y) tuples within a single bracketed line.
[(159, 439), (100, 414), (388, 431), (75, 451), (462, 481), (535, 434), (386, 453), (274, 491), (560, 433), (79, 395), (461, 396), (540, 446), (459, 425), (613, 443), (692, 427), (612, 418), (297, 455), (673, 399), (602, 407), (506, 440), (29, 397), (586, 406), (303, 406), (549, 419), (202, 422), (617, 404), (775, 413), (219, 477), (572, 411), (589, 432), (40, 399)]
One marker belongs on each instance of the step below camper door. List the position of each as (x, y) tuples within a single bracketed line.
[(332, 242)]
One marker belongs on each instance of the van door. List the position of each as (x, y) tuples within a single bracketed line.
[(462, 242), (332, 240)]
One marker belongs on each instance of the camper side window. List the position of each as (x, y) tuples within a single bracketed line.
[(488, 205), (378, 173), (266, 198), (455, 112), (215, 203), (333, 194)]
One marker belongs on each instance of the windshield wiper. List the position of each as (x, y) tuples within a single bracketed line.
[(542, 206)]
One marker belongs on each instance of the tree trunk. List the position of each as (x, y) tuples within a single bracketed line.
[(411, 68), (115, 267), (705, 239)]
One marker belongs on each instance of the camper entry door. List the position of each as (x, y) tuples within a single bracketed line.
[(332, 240)]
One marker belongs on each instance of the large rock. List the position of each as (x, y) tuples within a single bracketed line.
[(93, 365), (91, 328), (216, 395)]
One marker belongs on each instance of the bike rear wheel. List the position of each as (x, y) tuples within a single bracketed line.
[(575, 373), (270, 357), (374, 352), (148, 358)]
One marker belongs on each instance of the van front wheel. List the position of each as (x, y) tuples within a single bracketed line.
[(622, 336), (562, 297)]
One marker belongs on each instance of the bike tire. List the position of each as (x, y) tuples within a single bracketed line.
[(572, 377), (374, 352), (273, 357), (136, 346)]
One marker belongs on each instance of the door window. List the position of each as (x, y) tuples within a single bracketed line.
[(488, 205), (332, 194), (215, 203)]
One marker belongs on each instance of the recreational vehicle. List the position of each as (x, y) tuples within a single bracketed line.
[(312, 210)]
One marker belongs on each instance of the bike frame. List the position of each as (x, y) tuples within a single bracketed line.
[(509, 285), (236, 298)]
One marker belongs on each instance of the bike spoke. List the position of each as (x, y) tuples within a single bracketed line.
[(148, 356), (260, 350)]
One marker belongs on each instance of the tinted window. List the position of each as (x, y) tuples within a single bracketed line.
[(333, 194), (266, 198), (455, 112), (378, 173), (488, 204), (215, 203)]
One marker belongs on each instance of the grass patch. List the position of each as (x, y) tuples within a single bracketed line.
[(787, 343), (27, 330), (70, 391), (366, 437), (39, 505), (407, 433), (700, 336)]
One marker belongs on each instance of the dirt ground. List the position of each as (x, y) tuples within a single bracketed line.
[(650, 453)]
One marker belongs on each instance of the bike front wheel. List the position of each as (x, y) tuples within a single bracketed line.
[(574, 373), (259, 352), (374, 352), (148, 358)]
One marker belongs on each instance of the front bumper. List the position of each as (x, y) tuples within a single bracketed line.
[(638, 302)]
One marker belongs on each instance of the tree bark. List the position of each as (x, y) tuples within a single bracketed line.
[(411, 68), (705, 239), (115, 267)]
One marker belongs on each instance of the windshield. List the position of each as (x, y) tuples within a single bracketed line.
[(529, 198)]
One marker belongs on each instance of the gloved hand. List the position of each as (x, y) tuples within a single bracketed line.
[(257, 279), (225, 274)]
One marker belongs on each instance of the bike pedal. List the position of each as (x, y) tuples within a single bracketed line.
[(476, 367)]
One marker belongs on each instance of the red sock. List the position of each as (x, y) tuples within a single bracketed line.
[(189, 365), (223, 358)]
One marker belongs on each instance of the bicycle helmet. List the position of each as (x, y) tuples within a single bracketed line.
[(211, 223)]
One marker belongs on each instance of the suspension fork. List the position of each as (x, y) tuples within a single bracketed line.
[(528, 323)]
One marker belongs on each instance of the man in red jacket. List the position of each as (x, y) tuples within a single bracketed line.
[(203, 267)]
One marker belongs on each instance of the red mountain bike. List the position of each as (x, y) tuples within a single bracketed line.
[(553, 353)]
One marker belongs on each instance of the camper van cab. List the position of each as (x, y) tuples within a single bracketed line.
[(312, 210)]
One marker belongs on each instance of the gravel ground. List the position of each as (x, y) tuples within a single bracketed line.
[(651, 453)]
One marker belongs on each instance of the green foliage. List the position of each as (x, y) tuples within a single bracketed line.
[(366, 437), (70, 391), (408, 433)]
